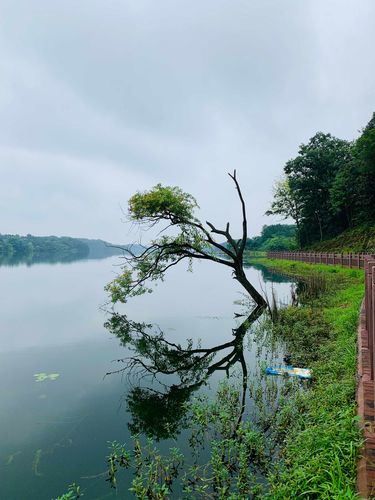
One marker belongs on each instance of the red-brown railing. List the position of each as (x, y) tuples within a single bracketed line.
[(353, 260), (339, 259)]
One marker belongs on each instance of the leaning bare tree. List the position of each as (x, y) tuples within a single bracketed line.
[(194, 240)]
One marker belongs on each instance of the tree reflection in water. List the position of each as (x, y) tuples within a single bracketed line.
[(161, 413)]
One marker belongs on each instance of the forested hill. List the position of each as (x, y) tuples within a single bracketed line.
[(15, 249), (276, 237), (329, 187)]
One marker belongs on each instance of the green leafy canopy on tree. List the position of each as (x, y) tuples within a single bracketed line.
[(162, 202), (170, 207)]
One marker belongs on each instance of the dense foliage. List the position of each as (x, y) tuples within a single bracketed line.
[(272, 238), (329, 187)]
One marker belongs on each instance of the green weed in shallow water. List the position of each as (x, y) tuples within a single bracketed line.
[(74, 493), (41, 377), (323, 440)]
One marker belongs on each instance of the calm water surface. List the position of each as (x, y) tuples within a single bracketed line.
[(55, 432)]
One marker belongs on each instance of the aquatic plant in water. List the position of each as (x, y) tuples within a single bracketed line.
[(41, 377)]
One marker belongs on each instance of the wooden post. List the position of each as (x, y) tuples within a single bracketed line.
[(372, 316), (370, 312), (368, 286), (369, 308)]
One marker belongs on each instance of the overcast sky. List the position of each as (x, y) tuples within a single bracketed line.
[(99, 99)]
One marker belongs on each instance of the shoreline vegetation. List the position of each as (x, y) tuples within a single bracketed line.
[(322, 443)]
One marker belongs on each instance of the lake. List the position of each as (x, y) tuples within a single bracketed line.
[(56, 430)]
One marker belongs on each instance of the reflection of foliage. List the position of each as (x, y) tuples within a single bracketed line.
[(160, 414), (154, 354), (156, 414), (238, 452), (268, 275)]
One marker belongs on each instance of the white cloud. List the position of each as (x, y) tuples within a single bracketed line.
[(100, 100)]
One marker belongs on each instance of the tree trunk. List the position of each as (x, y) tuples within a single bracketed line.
[(299, 242), (240, 276)]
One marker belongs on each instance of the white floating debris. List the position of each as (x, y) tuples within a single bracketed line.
[(290, 371)]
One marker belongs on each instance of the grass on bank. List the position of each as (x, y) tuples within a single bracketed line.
[(322, 437)]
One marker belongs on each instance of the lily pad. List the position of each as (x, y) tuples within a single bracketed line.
[(41, 377)]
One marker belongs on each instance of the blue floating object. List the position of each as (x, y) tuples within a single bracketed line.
[(290, 371)]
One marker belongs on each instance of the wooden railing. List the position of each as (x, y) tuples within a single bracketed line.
[(357, 260)]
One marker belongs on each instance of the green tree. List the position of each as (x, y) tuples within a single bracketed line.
[(189, 239), (364, 153), (345, 192), (329, 186), (283, 230), (274, 237), (286, 203), (279, 243), (365, 146), (310, 178)]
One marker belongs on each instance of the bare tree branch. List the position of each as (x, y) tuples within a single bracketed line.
[(244, 218)]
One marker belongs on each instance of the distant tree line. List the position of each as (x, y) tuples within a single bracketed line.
[(274, 237), (329, 187), (15, 248)]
